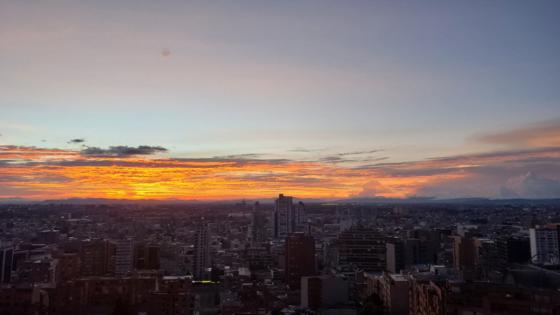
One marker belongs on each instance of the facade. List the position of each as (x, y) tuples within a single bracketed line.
[(68, 268), (402, 253), (392, 290), (426, 297), (283, 216), (300, 219), (6, 263), (258, 232), (430, 296), (97, 257), (23, 300), (545, 245), (319, 292), (201, 257), (173, 296), (513, 249), (124, 257), (300, 258), (288, 218), (103, 295), (465, 252), (38, 271), (429, 242), (362, 248), (146, 256), (396, 260)]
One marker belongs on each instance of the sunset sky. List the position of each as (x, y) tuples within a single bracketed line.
[(248, 99)]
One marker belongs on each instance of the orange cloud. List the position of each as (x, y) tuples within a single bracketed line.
[(36, 173)]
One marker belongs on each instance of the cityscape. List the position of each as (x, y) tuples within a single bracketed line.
[(313, 157), (282, 257)]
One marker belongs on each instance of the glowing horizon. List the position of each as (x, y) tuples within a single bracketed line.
[(34, 173)]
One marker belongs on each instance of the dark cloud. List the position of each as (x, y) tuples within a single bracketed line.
[(243, 156), (7, 162), (77, 140), (359, 152), (35, 178), (333, 159), (352, 157), (122, 151), (305, 150)]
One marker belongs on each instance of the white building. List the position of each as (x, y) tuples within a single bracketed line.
[(544, 242)]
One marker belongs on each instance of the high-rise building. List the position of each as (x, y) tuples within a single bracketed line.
[(300, 258), (97, 257), (68, 267), (402, 253), (300, 218), (146, 256), (396, 255), (429, 242), (288, 218), (362, 248), (545, 244), (6, 263), (48, 236), (456, 297), (124, 257), (465, 253), (318, 292), (283, 216), (392, 290), (513, 249), (488, 258), (257, 232), (201, 257)]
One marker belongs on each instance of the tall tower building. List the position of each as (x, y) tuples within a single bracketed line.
[(201, 259), (396, 255), (283, 216), (300, 217), (465, 252), (300, 258), (288, 218), (258, 225)]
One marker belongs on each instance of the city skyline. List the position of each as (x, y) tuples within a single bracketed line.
[(318, 100)]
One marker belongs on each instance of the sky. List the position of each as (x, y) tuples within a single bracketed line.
[(248, 99)]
